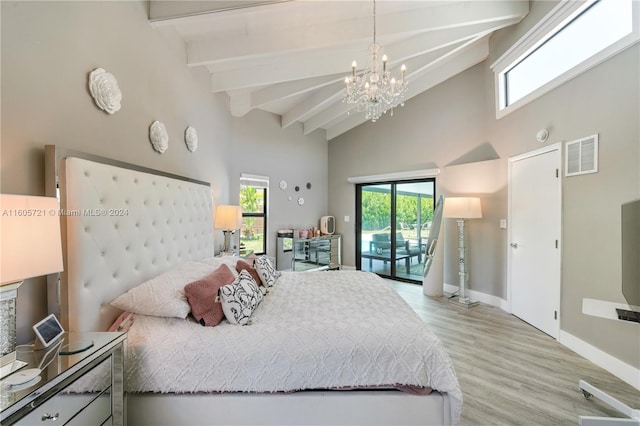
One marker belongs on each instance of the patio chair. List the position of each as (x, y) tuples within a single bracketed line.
[(405, 247)]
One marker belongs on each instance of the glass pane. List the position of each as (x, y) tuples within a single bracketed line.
[(376, 229), (252, 199), (414, 213), (252, 236), (606, 22)]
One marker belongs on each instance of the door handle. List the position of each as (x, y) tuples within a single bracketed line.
[(514, 245)]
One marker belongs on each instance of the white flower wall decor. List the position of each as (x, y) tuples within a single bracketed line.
[(103, 86), (191, 138), (159, 136)]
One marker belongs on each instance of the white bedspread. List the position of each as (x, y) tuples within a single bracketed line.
[(314, 330)]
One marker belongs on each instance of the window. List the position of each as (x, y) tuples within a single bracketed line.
[(253, 200), (574, 37)]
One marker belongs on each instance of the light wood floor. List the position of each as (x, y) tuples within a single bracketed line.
[(510, 372)]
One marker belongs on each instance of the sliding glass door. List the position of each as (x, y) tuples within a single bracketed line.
[(393, 220)]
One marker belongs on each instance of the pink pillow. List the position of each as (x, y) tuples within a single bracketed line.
[(246, 266), (201, 295)]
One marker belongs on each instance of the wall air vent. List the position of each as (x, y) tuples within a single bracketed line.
[(581, 156)]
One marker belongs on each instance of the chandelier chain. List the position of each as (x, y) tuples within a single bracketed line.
[(374, 21)]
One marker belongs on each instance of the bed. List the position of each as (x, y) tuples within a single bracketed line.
[(336, 347)]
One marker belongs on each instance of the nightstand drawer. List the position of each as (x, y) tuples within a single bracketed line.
[(96, 412), (77, 404)]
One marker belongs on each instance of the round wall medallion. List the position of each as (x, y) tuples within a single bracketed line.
[(297, 188), (159, 136), (300, 201), (308, 185), (103, 86), (191, 139), (283, 184)]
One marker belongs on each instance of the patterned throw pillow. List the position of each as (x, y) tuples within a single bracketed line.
[(240, 298), (266, 271)]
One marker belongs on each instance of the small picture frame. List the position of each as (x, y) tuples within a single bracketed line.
[(48, 331)]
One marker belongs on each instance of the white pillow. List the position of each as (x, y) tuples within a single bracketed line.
[(215, 263), (267, 273), (163, 296), (240, 298)]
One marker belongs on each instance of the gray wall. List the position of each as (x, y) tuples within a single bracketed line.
[(458, 116), (48, 50), (262, 147)]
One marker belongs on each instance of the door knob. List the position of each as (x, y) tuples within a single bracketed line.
[(514, 245)]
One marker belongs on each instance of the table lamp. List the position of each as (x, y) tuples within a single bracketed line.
[(30, 247), (461, 209), (228, 218)]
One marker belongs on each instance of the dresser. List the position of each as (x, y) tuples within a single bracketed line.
[(82, 388), (317, 253)]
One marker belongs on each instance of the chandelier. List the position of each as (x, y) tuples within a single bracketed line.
[(374, 91)]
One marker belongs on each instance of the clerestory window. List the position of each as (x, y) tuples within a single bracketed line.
[(574, 37)]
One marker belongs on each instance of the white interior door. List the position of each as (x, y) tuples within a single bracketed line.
[(534, 238)]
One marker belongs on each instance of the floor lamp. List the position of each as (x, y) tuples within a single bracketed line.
[(461, 209), (228, 218), (30, 247)]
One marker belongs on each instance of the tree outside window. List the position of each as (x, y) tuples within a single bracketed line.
[(254, 219)]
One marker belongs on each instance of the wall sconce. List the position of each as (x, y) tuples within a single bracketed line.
[(461, 209), (31, 247)]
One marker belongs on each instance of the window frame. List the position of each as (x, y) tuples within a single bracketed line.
[(245, 180), (553, 23)]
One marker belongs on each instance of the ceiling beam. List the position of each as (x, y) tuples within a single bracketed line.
[(405, 23), (313, 104), (164, 13), (277, 92), (417, 67), (428, 44), (472, 55), (316, 63)]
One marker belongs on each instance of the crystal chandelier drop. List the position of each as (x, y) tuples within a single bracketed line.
[(374, 91)]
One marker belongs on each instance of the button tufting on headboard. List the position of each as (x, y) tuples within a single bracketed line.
[(120, 245)]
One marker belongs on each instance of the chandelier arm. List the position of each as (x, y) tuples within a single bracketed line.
[(370, 91)]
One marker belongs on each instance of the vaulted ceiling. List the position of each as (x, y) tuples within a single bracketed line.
[(291, 57)]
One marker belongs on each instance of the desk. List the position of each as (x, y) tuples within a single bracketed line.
[(386, 257)]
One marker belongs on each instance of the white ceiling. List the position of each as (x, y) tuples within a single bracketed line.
[(290, 57)]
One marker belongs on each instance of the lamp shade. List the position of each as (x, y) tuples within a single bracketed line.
[(462, 208), (228, 217), (30, 234)]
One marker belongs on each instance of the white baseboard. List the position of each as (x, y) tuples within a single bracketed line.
[(480, 297), (613, 365)]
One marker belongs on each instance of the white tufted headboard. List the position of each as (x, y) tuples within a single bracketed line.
[(124, 227)]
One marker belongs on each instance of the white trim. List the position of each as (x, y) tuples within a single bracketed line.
[(256, 181), (386, 177), (544, 150), (620, 369), (613, 365), (558, 17), (485, 298)]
